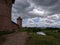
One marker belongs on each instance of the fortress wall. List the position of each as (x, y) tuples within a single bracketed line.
[(5, 15)]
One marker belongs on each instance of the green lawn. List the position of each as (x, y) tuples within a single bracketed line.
[(52, 38)]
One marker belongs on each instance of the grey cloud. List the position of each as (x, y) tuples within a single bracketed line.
[(22, 7), (45, 2), (48, 5), (45, 22)]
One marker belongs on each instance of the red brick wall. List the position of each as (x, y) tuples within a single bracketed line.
[(19, 22), (14, 26), (5, 15)]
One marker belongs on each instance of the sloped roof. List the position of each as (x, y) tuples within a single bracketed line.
[(13, 1), (14, 23), (19, 18)]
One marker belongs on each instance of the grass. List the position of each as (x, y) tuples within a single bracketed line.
[(49, 39), (52, 36), (55, 34)]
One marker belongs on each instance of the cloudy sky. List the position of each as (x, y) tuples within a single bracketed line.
[(40, 13)]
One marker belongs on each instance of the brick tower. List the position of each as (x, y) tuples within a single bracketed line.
[(5, 14), (19, 22)]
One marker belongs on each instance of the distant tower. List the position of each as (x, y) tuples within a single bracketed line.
[(5, 14), (19, 22)]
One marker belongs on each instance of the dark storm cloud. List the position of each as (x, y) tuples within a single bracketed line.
[(45, 2), (22, 7), (50, 5)]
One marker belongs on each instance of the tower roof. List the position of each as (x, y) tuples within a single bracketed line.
[(19, 18), (13, 1)]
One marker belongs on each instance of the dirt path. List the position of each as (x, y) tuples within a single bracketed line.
[(16, 39)]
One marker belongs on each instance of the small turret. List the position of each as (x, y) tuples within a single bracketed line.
[(13, 1), (19, 22)]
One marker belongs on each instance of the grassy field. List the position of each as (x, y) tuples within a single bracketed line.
[(49, 39), (52, 37)]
